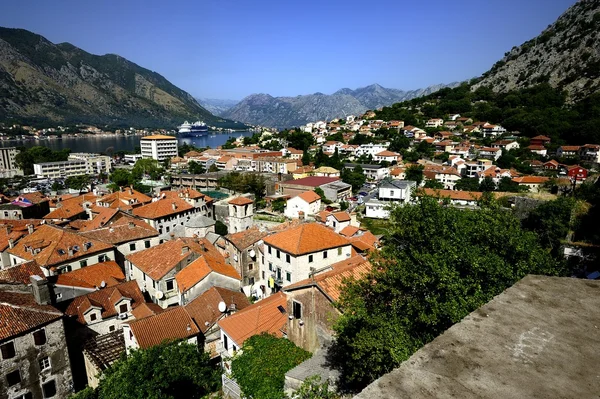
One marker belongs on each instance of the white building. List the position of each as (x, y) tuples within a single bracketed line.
[(60, 168), (309, 203), (158, 147), (96, 163), (372, 149), (241, 213), (435, 122), (393, 192), (132, 158), (291, 255), (8, 167)]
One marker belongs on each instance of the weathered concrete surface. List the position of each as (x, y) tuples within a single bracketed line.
[(538, 339)]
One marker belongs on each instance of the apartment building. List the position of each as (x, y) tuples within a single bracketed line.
[(8, 167), (158, 147)]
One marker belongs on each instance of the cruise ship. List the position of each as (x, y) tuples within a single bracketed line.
[(192, 129)]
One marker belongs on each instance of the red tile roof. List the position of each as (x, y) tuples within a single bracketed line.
[(20, 313), (205, 308), (20, 274), (305, 239), (341, 216), (260, 317), (349, 231), (170, 325), (124, 199), (70, 207), (240, 201), (531, 179), (92, 276), (106, 299), (162, 207), (196, 271), (245, 238), (122, 228), (310, 196), (49, 246), (331, 282), (146, 309)]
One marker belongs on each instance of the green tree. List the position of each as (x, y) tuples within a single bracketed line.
[(487, 184), (169, 370), (467, 184), (261, 367), (221, 228), (344, 205), (507, 185), (122, 177), (313, 388), (355, 177), (77, 182), (432, 183), (195, 168), (57, 186), (415, 173), (300, 140), (213, 168), (552, 221), (437, 265), (320, 192), (278, 205), (305, 158), (147, 167)]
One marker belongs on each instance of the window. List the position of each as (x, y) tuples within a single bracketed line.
[(297, 309), (270, 267), (339, 251), (263, 275), (263, 259), (13, 378), (225, 342), (8, 350), (288, 276), (269, 249), (170, 285), (27, 395), (102, 258), (324, 254), (132, 247), (251, 280), (111, 328), (123, 308), (391, 193), (83, 263), (334, 224), (49, 389), (168, 229), (278, 254), (39, 337), (287, 258), (278, 273), (147, 243), (44, 363), (310, 258), (250, 266), (93, 316)]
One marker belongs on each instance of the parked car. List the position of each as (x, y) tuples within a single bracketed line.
[(363, 194), (329, 209), (353, 199)]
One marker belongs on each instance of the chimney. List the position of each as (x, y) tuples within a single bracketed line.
[(40, 289), (30, 228), (202, 247), (174, 206), (11, 243), (184, 250), (70, 251), (131, 225), (8, 229)]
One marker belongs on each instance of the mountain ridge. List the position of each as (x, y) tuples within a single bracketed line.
[(43, 81)]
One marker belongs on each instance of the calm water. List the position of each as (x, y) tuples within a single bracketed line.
[(119, 143)]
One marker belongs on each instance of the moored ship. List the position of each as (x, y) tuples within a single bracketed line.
[(192, 129)]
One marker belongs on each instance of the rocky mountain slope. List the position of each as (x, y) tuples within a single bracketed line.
[(42, 81), (566, 55), (216, 106), (281, 112)]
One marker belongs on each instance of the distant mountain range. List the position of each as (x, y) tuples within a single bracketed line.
[(282, 112), (41, 81), (215, 105), (566, 55)]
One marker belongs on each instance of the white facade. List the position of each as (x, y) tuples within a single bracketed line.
[(98, 257), (132, 158), (298, 204), (158, 147), (394, 192), (96, 163), (240, 217), (371, 149), (8, 167), (60, 169)]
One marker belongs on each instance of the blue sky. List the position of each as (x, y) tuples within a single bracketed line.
[(233, 48)]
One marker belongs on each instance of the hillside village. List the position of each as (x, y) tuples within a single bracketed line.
[(128, 270)]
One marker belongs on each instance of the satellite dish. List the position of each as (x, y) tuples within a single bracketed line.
[(252, 253), (235, 257), (222, 307), (160, 294), (103, 284)]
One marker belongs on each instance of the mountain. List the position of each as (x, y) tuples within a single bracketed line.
[(216, 106), (566, 55), (43, 81), (281, 112)]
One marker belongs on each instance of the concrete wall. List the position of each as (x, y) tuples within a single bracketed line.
[(27, 362)]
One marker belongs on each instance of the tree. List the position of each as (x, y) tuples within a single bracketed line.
[(344, 205), (221, 228), (57, 185), (169, 370), (278, 205), (213, 168), (147, 167), (355, 177), (320, 192), (552, 221), (300, 140), (122, 177), (305, 158), (487, 184), (507, 185), (77, 182), (195, 168), (467, 184), (313, 388), (432, 183), (437, 265), (415, 173), (261, 367)]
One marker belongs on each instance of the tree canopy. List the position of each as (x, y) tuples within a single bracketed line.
[(437, 265), (38, 154), (167, 371)]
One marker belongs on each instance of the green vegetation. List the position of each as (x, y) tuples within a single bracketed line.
[(355, 177), (167, 371), (260, 369), (415, 173), (38, 154), (77, 182), (437, 265), (195, 168), (221, 228), (244, 183), (278, 205), (313, 388)]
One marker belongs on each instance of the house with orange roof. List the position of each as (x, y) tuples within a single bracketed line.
[(590, 152), (241, 213), (540, 140), (492, 153), (492, 130), (290, 255), (434, 122), (57, 250), (447, 175), (364, 242), (67, 286), (158, 147), (537, 149), (106, 309), (339, 220), (311, 303), (193, 197), (568, 151), (306, 204), (72, 208), (506, 145), (164, 213), (155, 268), (387, 156), (125, 199), (11, 231), (26, 206), (266, 316), (551, 165), (532, 182)]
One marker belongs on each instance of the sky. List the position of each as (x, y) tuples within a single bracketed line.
[(229, 49)]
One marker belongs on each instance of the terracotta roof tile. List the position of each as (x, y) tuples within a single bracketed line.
[(106, 299), (261, 317), (245, 238), (349, 231), (20, 274), (52, 245), (341, 216), (332, 282), (92, 276), (70, 208), (531, 179), (240, 201), (121, 229), (20, 313), (306, 238), (310, 196), (196, 271), (146, 309), (312, 181), (170, 325), (125, 199), (205, 308), (162, 207)]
